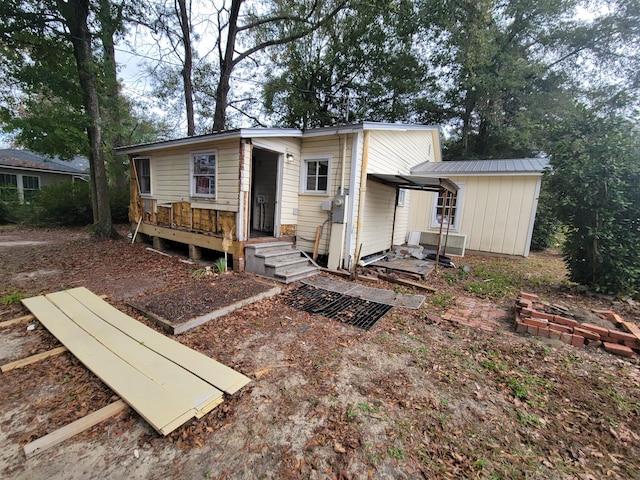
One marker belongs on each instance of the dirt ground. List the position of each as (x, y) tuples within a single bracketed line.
[(415, 397)]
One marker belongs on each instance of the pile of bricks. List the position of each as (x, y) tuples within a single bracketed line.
[(542, 319)]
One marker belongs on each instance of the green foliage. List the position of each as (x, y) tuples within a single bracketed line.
[(494, 280), (547, 226), (596, 162), (13, 298), (119, 200), (220, 265)]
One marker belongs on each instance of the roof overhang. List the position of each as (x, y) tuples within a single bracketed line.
[(416, 182)]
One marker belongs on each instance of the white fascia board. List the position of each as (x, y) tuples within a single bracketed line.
[(397, 126)]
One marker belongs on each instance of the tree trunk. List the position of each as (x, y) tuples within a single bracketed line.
[(187, 68), (226, 68), (117, 163), (76, 13)]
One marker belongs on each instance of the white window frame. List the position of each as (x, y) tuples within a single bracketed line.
[(192, 174), (304, 169), (25, 189), (455, 226), (136, 160)]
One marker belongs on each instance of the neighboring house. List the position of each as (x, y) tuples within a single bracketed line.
[(494, 209), (28, 172), (335, 191)]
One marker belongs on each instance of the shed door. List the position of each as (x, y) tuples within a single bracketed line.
[(378, 216)]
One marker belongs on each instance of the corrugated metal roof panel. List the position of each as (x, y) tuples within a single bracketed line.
[(483, 167)]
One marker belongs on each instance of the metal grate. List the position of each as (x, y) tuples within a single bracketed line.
[(350, 310)]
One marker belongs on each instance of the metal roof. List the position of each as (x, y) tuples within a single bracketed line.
[(24, 159), (416, 182), (521, 166)]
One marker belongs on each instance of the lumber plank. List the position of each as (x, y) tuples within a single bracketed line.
[(401, 281), (23, 362), (58, 436), (191, 391), (15, 321), (632, 328), (210, 370), (129, 383)]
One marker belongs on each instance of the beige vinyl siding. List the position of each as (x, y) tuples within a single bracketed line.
[(396, 151), (495, 212), (402, 220), (310, 213), (290, 175), (170, 176), (378, 219)]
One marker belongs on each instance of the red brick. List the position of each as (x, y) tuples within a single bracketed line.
[(526, 312), (434, 318), (566, 338), (521, 327), (635, 345), (577, 340), (602, 313), (535, 322), (569, 322), (595, 329), (532, 330), (622, 336), (529, 296), (593, 343), (543, 332), (618, 349), (554, 335), (586, 333), (447, 316), (560, 328), (523, 302), (614, 318), (542, 315)]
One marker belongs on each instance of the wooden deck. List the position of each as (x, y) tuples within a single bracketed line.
[(164, 381)]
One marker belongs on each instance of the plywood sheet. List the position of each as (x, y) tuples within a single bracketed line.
[(213, 372)]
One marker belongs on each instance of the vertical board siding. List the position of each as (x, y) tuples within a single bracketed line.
[(495, 213), (379, 207), (310, 213), (402, 221), (393, 151)]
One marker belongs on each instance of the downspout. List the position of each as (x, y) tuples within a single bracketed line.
[(363, 187)]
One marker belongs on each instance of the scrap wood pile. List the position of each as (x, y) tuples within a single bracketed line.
[(543, 319)]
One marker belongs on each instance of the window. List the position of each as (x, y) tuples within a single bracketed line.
[(8, 186), (440, 210), (315, 175), (204, 175), (143, 172), (30, 185)]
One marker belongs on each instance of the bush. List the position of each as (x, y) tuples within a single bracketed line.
[(119, 201), (546, 226), (66, 204)]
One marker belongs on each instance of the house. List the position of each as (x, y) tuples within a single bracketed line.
[(493, 211), (28, 172), (336, 192)]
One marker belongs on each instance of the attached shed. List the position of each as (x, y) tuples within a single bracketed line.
[(494, 209), (28, 172), (322, 189)]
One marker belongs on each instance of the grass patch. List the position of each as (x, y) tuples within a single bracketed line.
[(13, 298), (496, 279), (442, 300)]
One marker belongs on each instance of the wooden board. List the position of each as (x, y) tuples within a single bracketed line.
[(158, 405), (213, 372), (58, 436), (15, 321), (23, 362)]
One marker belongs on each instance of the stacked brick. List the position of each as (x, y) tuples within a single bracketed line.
[(541, 320)]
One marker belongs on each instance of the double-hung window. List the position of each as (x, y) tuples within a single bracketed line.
[(203, 178), (143, 172), (315, 175), (8, 186), (446, 213), (30, 185)]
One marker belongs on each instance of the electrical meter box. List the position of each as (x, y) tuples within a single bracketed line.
[(339, 210)]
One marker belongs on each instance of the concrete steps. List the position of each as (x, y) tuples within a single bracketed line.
[(278, 260)]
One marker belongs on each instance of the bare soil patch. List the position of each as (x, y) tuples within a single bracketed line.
[(411, 398)]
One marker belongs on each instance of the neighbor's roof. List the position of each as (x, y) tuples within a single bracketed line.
[(270, 132), (521, 166), (24, 159)]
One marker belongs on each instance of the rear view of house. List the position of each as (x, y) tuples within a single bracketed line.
[(334, 192)]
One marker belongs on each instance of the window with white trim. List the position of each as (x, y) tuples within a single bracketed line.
[(440, 211), (8, 186), (30, 185), (143, 172), (315, 175), (203, 176), (402, 193)]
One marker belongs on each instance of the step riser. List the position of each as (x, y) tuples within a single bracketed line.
[(280, 262)]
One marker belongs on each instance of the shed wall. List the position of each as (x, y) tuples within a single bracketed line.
[(396, 151), (378, 218)]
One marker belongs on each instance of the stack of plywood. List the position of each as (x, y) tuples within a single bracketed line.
[(166, 382)]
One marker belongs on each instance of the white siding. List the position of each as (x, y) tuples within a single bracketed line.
[(396, 151), (377, 226), (402, 221), (310, 214), (495, 212), (170, 175)]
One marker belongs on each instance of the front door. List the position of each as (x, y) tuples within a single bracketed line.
[(264, 191)]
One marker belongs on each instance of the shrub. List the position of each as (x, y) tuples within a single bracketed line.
[(65, 204)]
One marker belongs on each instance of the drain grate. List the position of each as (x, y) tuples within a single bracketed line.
[(343, 308)]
